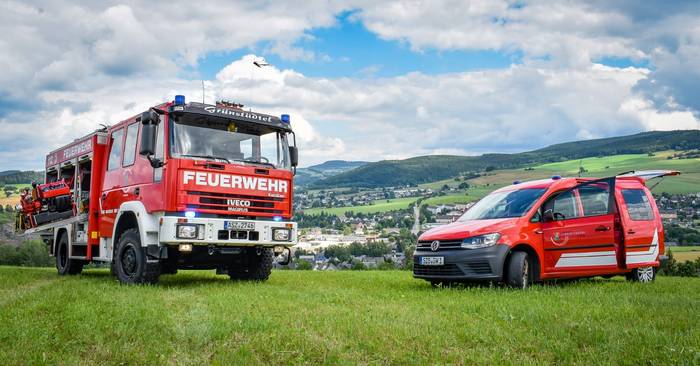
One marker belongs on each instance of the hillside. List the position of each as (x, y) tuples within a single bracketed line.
[(426, 169), (20, 177), (309, 175), (344, 317)]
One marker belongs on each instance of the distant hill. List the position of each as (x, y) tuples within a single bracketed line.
[(20, 177), (306, 176), (424, 169)]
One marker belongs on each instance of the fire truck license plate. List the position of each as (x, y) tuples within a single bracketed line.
[(432, 261), (237, 225)]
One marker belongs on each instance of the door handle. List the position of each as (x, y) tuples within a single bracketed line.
[(602, 228), (631, 232), (538, 231), (104, 196)]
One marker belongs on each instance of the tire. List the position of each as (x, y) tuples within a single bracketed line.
[(642, 274), (64, 264), (519, 271), (130, 264), (255, 267)]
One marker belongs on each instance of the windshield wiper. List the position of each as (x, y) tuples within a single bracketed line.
[(256, 162), (209, 157)]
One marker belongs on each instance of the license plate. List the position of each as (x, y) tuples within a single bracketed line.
[(238, 225), (432, 261)]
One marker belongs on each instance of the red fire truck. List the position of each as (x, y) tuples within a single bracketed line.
[(180, 186)]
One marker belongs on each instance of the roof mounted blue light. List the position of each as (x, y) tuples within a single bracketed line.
[(179, 100), (277, 218), (516, 182), (285, 118), (556, 177)]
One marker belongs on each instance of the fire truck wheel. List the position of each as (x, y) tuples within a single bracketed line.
[(257, 267), (64, 264), (642, 274), (519, 271), (130, 264)]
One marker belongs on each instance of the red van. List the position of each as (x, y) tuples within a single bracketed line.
[(548, 229)]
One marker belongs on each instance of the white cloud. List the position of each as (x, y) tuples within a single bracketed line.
[(68, 66)]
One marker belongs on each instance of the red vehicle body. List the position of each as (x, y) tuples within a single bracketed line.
[(179, 186), (549, 229)]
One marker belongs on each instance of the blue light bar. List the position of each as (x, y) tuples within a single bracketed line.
[(285, 118), (179, 100), (556, 177), (277, 218), (189, 214)]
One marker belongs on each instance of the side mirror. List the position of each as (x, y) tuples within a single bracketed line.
[(148, 139), (294, 155), (548, 215), (149, 127)]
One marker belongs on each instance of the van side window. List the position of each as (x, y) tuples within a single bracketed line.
[(130, 145), (564, 206), (115, 153), (595, 199), (638, 206)]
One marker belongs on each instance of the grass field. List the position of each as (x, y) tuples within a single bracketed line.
[(688, 182), (378, 206), (13, 199), (363, 317), (689, 253)]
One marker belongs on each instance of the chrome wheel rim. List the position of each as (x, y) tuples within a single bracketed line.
[(645, 274)]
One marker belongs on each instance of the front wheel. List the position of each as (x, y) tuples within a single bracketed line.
[(519, 271), (130, 260), (642, 274)]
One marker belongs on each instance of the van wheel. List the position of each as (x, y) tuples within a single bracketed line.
[(64, 264), (519, 271), (642, 274), (256, 267), (130, 264)]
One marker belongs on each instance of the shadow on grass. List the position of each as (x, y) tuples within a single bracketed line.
[(558, 283)]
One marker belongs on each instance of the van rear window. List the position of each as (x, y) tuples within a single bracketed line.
[(638, 206)]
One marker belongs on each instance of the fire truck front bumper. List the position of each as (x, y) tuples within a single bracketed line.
[(227, 232)]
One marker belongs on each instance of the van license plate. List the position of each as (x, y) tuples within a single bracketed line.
[(238, 225), (432, 261)]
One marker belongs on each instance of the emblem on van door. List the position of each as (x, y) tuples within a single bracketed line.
[(435, 246), (556, 238)]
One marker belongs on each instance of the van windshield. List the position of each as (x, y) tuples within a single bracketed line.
[(505, 204)]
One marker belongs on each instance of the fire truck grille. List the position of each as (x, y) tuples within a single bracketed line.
[(223, 201)]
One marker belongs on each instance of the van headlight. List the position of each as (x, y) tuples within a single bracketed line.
[(280, 234), (481, 241), (190, 231)]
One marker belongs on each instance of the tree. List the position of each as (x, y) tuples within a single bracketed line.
[(303, 265), (9, 190), (463, 185)]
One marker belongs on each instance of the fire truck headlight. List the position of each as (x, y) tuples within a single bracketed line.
[(188, 231), (481, 241), (280, 234)]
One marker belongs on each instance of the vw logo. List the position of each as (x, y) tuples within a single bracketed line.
[(435, 246)]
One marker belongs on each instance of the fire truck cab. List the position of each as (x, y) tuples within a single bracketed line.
[(550, 229), (180, 186)]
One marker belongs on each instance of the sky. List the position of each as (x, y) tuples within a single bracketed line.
[(362, 80)]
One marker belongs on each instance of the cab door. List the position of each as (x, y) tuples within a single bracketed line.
[(639, 225), (578, 231)]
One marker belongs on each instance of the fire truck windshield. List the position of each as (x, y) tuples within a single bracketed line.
[(223, 140)]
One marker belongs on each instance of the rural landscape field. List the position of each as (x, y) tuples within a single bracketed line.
[(355, 317)]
